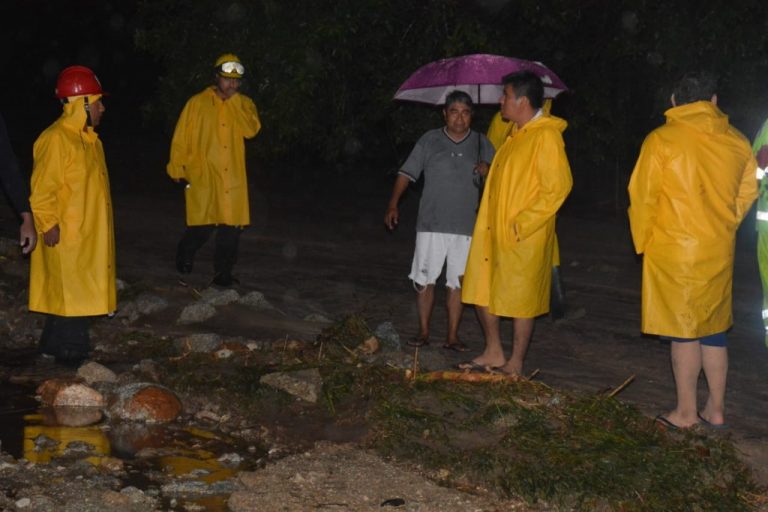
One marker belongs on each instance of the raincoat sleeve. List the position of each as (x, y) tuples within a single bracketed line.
[(47, 181), (498, 130), (246, 116), (180, 150), (747, 189), (554, 177), (644, 190)]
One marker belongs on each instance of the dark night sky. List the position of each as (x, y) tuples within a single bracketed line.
[(39, 38)]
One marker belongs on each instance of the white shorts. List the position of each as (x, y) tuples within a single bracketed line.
[(432, 251)]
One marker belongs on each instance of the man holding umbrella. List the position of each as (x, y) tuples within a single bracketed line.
[(510, 261), (448, 158)]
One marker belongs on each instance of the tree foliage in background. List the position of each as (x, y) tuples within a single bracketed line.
[(323, 72)]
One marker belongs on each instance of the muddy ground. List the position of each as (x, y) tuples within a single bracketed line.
[(320, 249)]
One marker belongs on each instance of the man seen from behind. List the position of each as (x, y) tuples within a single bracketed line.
[(692, 185)]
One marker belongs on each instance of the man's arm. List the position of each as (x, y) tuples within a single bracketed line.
[(747, 189), (17, 190), (47, 180), (246, 116), (176, 167), (392, 215), (644, 189), (555, 182)]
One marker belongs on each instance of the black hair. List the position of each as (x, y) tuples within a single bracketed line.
[(459, 96), (694, 87), (526, 84)]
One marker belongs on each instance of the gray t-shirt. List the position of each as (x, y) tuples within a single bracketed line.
[(450, 198)]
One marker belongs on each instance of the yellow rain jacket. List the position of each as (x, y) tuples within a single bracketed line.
[(70, 187), (498, 131), (692, 185), (509, 268), (208, 151)]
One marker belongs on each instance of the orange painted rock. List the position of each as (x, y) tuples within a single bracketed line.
[(146, 402)]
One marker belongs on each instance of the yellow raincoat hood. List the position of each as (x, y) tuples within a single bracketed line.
[(509, 268), (70, 188), (693, 183)]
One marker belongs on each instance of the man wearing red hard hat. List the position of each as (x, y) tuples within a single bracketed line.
[(72, 273)]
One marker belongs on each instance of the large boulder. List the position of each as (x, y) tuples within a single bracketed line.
[(69, 392), (197, 312), (146, 402), (92, 372)]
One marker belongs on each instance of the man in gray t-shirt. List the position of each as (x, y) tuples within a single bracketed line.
[(450, 159)]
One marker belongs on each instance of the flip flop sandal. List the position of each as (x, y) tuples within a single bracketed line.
[(418, 342), (456, 347), (664, 422), (710, 425), (473, 367)]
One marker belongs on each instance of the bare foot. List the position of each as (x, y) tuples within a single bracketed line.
[(489, 360), (512, 369)]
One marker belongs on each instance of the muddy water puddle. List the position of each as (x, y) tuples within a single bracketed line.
[(179, 464)]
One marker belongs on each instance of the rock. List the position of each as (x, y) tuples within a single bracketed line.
[(128, 312), (195, 487), (23, 503), (304, 384), (148, 368), (216, 297), (201, 342), (369, 346), (197, 312), (147, 402), (93, 372), (388, 336), (61, 392), (78, 448), (231, 460), (286, 344), (112, 464), (68, 416), (43, 443), (128, 499), (148, 304), (259, 345), (256, 300), (223, 353), (317, 317)]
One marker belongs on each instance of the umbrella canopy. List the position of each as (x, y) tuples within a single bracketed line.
[(479, 75)]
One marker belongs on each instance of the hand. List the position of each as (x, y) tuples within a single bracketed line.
[(762, 157), (482, 169), (27, 233), (51, 237), (392, 217)]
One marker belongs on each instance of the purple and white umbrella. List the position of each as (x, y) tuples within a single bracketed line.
[(479, 75)]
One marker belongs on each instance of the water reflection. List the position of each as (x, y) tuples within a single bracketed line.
[(45, 438)]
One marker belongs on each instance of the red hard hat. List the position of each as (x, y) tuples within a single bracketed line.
[(77, 81)]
